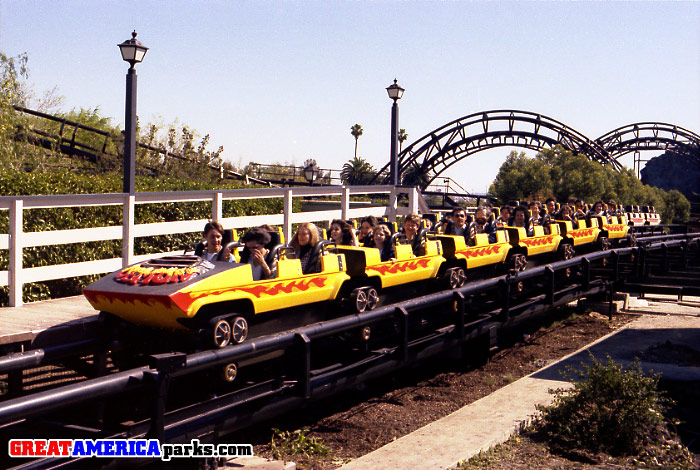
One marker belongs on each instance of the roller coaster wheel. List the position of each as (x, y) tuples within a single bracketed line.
[(221, 333), (518, 262), (359, 299), (566, 251), (372, 298), (604, 244), (455, 278), (229, 372), (462, 276), (239, 330)]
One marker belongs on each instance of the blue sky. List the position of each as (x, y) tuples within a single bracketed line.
[(284, 81)]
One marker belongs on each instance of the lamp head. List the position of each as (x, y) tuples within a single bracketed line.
[(132, 50), (395, 91), (311, 170)]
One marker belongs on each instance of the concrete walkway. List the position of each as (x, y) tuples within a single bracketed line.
[(493, 419)]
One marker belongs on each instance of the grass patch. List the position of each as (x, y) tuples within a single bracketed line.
[(298, 446)]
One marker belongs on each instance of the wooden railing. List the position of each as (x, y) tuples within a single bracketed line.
[(16, 240), (67, 142)]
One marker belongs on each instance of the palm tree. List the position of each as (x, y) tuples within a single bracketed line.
[(356, 132), (357, 171), (415, 176), (402, 138)]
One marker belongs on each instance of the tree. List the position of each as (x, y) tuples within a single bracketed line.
[(561, 174), (356, 132), (402, 138), (414, 176), (357, 171), (521, 177)]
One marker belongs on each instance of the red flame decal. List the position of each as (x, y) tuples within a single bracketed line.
[(615, 228), (481, 251), (538, 241), (411, 265), (185, 300), (285, 287), (584, 232)]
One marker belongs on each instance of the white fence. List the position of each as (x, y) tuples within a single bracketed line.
[(17, 240)]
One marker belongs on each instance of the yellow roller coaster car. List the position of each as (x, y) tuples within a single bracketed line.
[(188, 292)]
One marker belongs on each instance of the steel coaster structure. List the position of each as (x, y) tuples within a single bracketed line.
[(426, 158), (441, 148), (644, 136), (161, 402)]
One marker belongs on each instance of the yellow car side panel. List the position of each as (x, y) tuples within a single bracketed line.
[(408, 269), (616, 230), (582, 235), (482, 254)]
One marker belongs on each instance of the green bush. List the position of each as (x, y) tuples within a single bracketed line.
[(609, 409)]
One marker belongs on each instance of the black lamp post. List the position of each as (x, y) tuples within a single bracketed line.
[(311, 171), (132, 52), (395, 93)]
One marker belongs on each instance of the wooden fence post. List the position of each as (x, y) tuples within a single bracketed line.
[(16, 280), (287, 227), (128, 230), (393, 204), (217, 207), (345, 203)]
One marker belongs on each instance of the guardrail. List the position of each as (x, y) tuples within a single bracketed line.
[(16, 240)]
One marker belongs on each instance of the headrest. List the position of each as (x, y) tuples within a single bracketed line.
[(227, 237), (274, 240)]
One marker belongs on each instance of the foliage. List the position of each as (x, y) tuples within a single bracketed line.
[(520, 177), (676, 206), (297, 444), (414, 176), (609, 409), (179, 153), (402, 138), (13, 92), (561, 174), (357, 171), (356, 132)]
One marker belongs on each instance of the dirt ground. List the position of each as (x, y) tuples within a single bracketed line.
[(354, 423)]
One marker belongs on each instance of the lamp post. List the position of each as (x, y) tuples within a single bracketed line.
[(132, 52), (311, 171), (395, 93)]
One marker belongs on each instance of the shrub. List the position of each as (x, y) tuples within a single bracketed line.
[(297, 444), (608, 410)]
